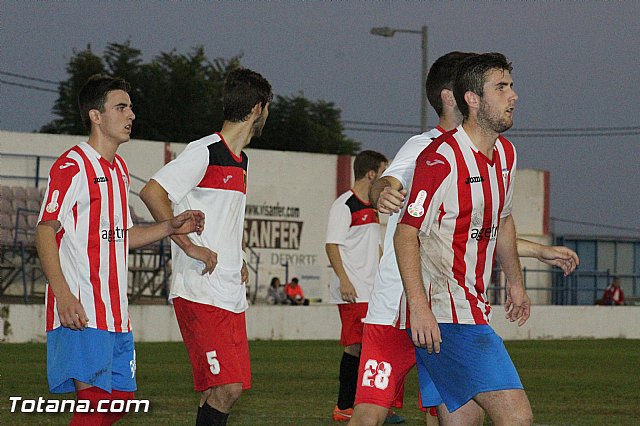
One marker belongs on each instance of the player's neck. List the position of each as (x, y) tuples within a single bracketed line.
[(448, 123), (237, 135), (104, 146), (361, 188), (482, 138)]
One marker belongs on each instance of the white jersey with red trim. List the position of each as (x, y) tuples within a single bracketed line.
[(355, 227), (207, 176), (387, 304), (89, 197), (458, 197)]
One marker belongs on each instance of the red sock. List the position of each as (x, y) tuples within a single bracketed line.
[(111, 418), (93, 395)]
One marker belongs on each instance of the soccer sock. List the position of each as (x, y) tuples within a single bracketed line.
[(93, 395), (348, 380), (111, 418), (209, 416)]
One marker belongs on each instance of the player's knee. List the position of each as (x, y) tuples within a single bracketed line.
[(224, 397), (354, 350), (368, 415)]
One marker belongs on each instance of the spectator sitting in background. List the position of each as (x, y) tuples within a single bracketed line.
[(294, 293), (275, 293), (613, 294)]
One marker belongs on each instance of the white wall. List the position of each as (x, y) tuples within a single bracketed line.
[(25, 323)]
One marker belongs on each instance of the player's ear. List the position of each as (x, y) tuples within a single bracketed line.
[(447, 97), (256, 110), (472, 99), (94, 116)]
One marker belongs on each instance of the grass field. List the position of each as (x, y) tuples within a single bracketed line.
[(588, 382)]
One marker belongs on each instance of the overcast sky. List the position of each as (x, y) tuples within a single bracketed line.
[(576, 66)]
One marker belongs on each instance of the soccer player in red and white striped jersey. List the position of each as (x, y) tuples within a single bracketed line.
[(83, 237), (456, 220), (385, 339), (209, 275)]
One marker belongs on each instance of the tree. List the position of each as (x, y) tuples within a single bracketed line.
[(82, 65), (178, 98), (297, 124)]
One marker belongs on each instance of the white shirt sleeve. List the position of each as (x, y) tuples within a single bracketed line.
[(508, 201), (404, 163), (185, 172), (339, 223)]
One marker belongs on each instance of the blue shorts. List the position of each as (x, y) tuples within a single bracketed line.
[(472, 360), (100, 358), (429, 396)]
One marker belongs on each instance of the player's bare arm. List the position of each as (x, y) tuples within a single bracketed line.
[(70, 310), (387, 195), (425, 332), (517, 305), (157, 201), (185, 223), (559, 256), (347, 290), (244, 271)]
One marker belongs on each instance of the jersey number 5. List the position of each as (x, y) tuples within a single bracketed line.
[(214, 364), (376, 374)]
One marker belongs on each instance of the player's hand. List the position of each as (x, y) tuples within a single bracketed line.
[(205, 255), (390, 200), (517, 305), (562, 257), (71, 312), (186, 222), (244, 273), (425, 331), (348, 291)]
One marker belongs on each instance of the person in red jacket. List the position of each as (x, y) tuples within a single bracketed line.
[(613, 294), (294, 293)]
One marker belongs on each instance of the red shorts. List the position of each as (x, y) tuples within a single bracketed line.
[(216, 340), (386, 358), (351, 315)]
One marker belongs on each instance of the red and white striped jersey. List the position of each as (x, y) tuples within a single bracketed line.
[(89, 197), (387, 306), (207, 176), (458, 197), (355, 227)]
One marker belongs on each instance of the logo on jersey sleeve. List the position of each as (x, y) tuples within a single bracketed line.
[(53, 206), (416, 209), (434, 162)]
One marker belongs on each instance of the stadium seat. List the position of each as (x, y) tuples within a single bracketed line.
[(6, 237), (6, 221), (19, 203), (33, 205), (19, 192), (34, 194), (6, 193), (6, 206)]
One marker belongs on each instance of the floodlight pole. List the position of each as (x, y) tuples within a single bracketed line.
[(389, 32)]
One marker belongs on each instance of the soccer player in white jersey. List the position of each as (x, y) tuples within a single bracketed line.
[(385, 340), (456, 221), (83, 237), (209, 274), (353, 249)]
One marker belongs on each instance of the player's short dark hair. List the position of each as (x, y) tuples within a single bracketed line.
[(472, 73), (242, 90), (94, 93), (294, 280), (366, 161), (441, 75)]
